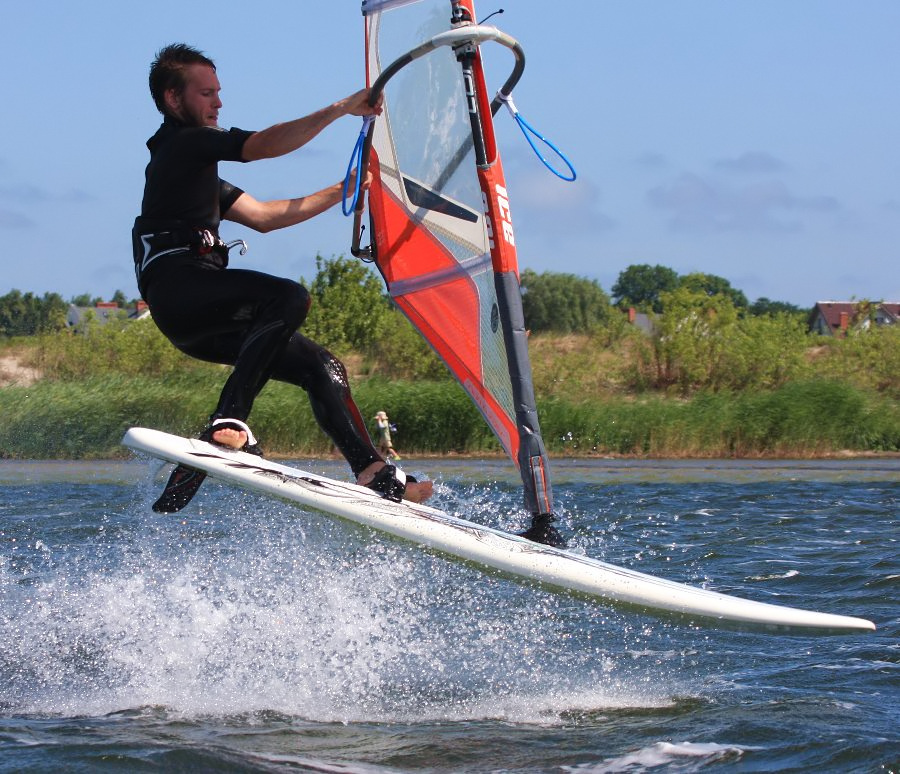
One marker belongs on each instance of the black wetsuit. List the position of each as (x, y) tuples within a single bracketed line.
[(237, 317)]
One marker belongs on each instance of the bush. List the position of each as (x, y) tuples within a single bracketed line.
[(701, 343), (349, 307), (399, 352), (118, 346), (868, 358)]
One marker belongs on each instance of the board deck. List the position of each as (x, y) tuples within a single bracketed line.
[(486, 547)]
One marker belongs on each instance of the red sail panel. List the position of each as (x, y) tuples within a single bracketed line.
[(440, 299)]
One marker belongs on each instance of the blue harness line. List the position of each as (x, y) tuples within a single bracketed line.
[(528, 130), (356, 159)]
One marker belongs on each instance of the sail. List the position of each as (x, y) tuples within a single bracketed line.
[(440, 222)]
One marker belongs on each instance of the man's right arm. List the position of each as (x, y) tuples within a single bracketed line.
[(270, 215), (281, 139)]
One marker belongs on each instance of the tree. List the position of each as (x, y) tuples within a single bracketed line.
[(562, 303), (712, 285), (766, 307), (348, 305), (640, 286), (27, 315)]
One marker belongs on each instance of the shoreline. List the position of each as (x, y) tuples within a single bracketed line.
[(334, 456), (844, 454)]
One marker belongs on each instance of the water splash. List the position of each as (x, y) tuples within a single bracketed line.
[(263, 607)]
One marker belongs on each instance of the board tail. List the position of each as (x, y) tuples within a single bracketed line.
[(439, 212)]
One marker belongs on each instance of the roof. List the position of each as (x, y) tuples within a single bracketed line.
[(833, 311)]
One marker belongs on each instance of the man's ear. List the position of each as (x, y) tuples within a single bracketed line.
[(173, 100)]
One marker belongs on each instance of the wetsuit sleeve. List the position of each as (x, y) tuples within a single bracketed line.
[(237, 138), (211, 143), (228, 195)]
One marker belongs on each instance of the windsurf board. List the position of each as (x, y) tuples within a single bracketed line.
[(488, 548)]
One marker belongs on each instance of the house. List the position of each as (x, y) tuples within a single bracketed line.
[(140, 311), (643, 322), (103, 311), (835, 318)]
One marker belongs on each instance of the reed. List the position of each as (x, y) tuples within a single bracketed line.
[(800, 419), (87, 417)]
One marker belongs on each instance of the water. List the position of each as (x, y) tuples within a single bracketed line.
[(245, 635)]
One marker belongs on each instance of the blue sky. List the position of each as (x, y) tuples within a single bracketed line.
[(752, 139)]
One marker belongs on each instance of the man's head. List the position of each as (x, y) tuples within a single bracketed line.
[(184, 85)]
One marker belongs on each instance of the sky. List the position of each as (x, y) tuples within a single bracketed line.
[(757, 140)]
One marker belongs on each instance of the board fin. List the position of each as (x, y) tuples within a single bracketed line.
[(180, 490)]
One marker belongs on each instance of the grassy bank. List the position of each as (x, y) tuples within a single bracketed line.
[(87, 417)]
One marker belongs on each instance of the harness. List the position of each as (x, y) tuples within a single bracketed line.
[(202, 243)]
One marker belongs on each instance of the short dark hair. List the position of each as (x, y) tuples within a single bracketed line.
[(167, 70)]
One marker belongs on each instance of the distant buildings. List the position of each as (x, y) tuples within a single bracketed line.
[(827, 318), (77, 316), (835, 318)]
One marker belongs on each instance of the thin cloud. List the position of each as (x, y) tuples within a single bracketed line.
[(10, 220), (651, 160), (751, 162), (543, 199), (25, 193), (698, 205)]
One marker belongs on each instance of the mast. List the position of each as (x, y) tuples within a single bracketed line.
[(533, 463)]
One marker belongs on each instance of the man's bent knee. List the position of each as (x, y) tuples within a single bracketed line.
[(295, 302)]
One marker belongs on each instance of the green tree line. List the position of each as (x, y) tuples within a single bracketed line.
[(351, 305), (705, 339), (645, 288)]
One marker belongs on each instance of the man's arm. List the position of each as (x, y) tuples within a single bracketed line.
[(279, 213), (281, 139)]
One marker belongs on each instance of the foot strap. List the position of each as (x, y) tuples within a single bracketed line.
[(230, 424), (391, 482), (184, 482), (252, 446)]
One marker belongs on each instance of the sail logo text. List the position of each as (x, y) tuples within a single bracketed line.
[(469, 81), (505, 217)]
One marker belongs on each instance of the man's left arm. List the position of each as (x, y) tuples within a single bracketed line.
[(281, 139)]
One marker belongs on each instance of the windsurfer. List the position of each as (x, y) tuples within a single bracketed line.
[(238, 317)]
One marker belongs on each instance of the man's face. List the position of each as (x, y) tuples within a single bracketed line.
[(199, 103)]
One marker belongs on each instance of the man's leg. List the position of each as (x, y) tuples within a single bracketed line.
[(312, 367), (233, 317)]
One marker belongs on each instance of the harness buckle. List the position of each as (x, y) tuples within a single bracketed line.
[(207, 241)]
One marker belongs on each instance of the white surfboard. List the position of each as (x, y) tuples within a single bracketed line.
[(487, 547)]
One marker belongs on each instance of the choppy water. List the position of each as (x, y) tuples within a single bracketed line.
[(247, 635)]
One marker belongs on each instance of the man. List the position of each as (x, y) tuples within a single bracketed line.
[(238, 317), (385, 444)]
